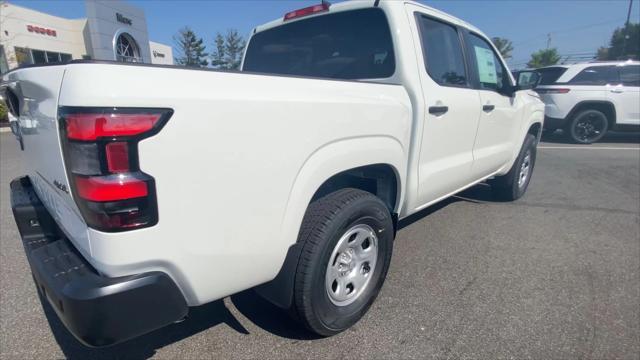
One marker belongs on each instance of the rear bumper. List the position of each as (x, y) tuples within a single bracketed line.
[(97, 310)]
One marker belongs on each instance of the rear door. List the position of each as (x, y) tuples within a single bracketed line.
[(452, 108), (499, 118), (36, 92), (625, 95), (592, 83)]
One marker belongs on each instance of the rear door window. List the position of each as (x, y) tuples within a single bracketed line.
[(442, 52), (344, 45), (596, 75), (630, 75)]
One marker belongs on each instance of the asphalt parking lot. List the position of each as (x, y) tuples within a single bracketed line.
[(555, 275)]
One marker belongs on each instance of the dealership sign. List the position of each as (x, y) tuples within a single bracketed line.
[(41, 30), (123, 19), (157, 54)]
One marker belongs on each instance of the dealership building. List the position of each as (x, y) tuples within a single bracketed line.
[(112, 30)]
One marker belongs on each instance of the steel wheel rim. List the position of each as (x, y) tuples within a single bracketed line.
[(525, 169), (351, 265), (589, 127)]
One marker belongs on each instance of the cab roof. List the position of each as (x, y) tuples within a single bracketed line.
[(363, 4)]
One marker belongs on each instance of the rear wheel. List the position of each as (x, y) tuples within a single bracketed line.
[(514, 184), (587, 126), (347, 241)]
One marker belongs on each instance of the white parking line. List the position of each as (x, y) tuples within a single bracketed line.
[(588, 148)]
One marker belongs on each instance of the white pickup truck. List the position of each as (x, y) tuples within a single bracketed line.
[(151, 189)]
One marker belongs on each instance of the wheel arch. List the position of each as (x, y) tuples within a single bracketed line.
[(375, 164), (606, 107), (363, 157), (535, 129), (532, 124), (379, 179)]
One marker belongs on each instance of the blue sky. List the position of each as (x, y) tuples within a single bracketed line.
[(576, 26)]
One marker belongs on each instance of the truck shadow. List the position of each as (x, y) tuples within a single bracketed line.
[(200, 318), (477, 194), (259, 311), (269, 317)]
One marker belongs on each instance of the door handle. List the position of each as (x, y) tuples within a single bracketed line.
[(438, 110), (616, 91), (488, 108)]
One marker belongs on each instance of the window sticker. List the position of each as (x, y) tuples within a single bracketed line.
[(486, 65)]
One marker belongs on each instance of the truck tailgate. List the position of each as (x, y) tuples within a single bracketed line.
[(36, 91)]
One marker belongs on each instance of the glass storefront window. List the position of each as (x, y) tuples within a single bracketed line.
[(26, 56), (39, 57), (23, 56), (53, 57), (127, 49)]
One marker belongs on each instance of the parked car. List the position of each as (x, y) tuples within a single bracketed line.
[(169, 187), (587, 100)]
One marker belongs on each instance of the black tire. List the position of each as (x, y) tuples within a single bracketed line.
[(508, 187), (326, 221), (587, 126), (548, 132)]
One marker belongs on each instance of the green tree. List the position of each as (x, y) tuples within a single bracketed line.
[(624, 44), (229, 50), (4, 111), (191, 50), (603, 53), (234, 49), (217, 57), (504, 46), (544, 57)]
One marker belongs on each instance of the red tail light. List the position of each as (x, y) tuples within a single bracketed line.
[(117, 156), (107, 188), (307, 11), (101, 155), (92, 126)]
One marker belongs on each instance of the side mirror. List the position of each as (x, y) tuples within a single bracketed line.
[(527, 79)]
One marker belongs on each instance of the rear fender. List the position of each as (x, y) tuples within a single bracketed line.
[(332, 159), (324, 163)]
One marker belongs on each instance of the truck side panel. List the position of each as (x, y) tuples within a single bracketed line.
[(226, 162)]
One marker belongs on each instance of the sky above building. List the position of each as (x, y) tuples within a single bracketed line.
[(575, 28)]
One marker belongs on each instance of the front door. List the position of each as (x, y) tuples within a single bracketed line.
[(499, 118)]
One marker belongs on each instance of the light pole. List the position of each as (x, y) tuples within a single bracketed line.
[(626, 31)]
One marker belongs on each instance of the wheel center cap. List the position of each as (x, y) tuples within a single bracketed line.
[(346, 261)]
